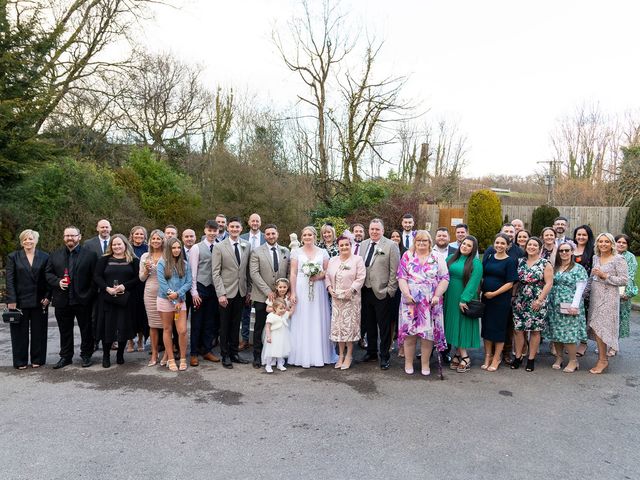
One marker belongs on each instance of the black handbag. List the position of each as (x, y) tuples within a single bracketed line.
[(13, 315), (118, 300), (475, 309)]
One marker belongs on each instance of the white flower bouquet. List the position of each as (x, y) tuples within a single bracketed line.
[(310, 269)]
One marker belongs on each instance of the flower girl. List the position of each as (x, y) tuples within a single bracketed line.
[(277, 344)]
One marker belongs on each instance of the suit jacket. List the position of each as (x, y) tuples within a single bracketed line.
[(382, 272), (95, 245), (27, 284), (263, 278), (261, 237), (229, 278), (81, 276)]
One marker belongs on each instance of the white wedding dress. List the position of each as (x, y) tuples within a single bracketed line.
[(311, 320)]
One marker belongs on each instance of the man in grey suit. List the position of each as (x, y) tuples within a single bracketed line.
[(381, 257), (268, 263), (99, 243), (255, 238), (230, 273)]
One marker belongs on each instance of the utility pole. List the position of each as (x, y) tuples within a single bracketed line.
[(550, 179)]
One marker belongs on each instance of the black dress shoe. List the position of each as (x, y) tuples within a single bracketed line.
[(256, 364), (86, 362), (370, 357), (106, 362), (385, 364), (226, 362), (63, 362), (237, 359), (119, 359)]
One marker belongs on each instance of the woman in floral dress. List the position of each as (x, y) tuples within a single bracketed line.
[(535, 279), (422, 278), (631, 290), (609, 272), (566, 323)]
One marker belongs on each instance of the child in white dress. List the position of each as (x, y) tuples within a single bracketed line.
[(282, 292), (277, 343)]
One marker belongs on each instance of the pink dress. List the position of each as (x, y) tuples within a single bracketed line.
[(150, 292), (344, 277)]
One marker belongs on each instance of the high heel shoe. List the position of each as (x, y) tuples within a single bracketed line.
[(183, 364), (568, 368), (152, 362), (171, 363), (487, 362), (531, 364), (163, 362), (346, 363), (491, 368), (557, 365), (600, 367), (339, 363), (517, 361)]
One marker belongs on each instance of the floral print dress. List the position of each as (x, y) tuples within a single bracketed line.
[(530, 284), (421, 318), (630, 291), (564, 328)]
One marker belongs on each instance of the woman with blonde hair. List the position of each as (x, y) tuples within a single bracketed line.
[(328, 240), (27, 290), (148, 275), (609, 272)]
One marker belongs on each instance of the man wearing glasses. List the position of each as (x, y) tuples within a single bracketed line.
[(69, 272)]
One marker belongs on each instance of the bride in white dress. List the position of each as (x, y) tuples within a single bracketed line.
[(311, 319)]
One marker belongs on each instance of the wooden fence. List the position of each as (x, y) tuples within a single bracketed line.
[(601, 219)]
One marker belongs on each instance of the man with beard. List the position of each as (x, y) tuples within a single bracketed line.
[(408, 233), (69, 272), (560, 225), (441, 246), (268, 263)]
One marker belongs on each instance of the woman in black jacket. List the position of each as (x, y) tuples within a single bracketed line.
[(27, 290)]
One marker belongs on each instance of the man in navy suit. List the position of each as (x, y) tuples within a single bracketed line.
[(100, 242), (255, 238)]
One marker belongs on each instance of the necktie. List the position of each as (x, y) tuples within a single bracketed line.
[(211, 248), (237, 252), (406, 241), (104, 246), (357, 249), (254, 241), (367, 262), (275, 260)]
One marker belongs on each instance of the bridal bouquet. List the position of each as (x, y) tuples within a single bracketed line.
[(310, 269)]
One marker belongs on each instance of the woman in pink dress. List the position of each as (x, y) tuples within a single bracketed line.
[(344, 279), (148, 274)]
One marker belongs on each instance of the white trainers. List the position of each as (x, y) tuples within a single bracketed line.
[(282, 368), (268, 368)]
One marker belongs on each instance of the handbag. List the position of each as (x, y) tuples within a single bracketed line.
[(475, 309), (13, 315), (565, 308), (118, 300)]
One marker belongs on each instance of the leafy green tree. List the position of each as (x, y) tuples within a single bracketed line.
[(543, 216), (484, 214), (632, 226)]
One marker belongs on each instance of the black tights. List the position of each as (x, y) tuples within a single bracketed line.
[(106, 350)]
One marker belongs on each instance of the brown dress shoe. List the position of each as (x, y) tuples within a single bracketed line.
[(194, 361), (211, 357), (243, 346)]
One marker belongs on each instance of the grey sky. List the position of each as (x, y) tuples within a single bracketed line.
[(505, 71)]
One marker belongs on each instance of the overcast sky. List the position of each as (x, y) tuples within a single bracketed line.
[(505, 71)]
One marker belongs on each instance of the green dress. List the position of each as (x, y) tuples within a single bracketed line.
[(630, 291), (560, 327), (460, 330)]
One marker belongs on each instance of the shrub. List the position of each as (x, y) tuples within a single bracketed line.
[(543, 216), (632, 226), (338, 223), (484, 214)]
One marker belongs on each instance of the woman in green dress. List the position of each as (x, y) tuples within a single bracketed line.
[(566, 323), (631, 290), (465, 275)]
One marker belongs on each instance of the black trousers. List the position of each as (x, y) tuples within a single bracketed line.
[(376, 316), (230, 325), (258, 327), (64, 317), (34, 320)]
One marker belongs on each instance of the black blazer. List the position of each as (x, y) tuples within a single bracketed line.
[(27, 284), (81, 277), (95, 245)]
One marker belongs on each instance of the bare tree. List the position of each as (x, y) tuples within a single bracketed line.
[(318, 47), (369, 103), (162, 101)]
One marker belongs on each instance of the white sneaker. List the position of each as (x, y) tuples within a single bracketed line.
[(268, 368), (282, 368)]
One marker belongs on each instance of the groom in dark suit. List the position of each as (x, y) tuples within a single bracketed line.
[(73, 299), (268, 263), (230, 273)]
